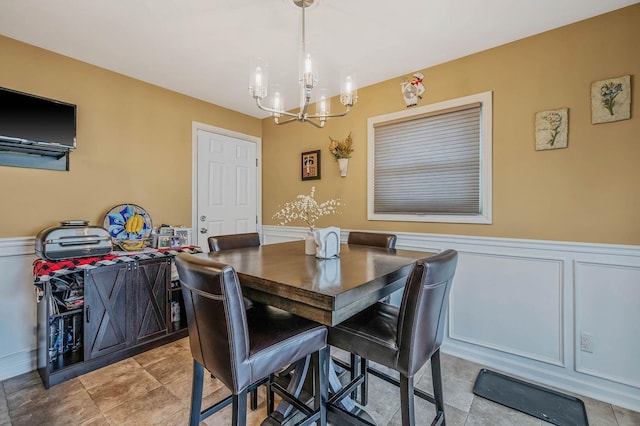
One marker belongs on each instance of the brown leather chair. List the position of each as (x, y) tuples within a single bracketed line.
[(375, 240), (405, 338), (237, 241), (372, 239), (233, 241), (244, 348)]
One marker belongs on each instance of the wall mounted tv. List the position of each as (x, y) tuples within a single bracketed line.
[(32, 124)]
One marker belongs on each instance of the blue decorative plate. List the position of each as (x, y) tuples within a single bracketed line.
[(128, 222)]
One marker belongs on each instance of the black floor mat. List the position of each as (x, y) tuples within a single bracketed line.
[(545, 404)]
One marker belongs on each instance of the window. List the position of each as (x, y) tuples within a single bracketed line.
[(432, 163)]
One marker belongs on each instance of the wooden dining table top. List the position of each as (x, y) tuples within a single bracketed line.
[(327, 291)]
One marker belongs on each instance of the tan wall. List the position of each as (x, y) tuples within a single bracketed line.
[(133, 138), (587, 193)]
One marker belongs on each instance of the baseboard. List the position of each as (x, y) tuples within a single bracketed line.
[(613, 393), (18, 363)]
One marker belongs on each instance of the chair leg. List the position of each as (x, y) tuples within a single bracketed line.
[(406, 401), (270, 396), (254, 399), (320, 360), (239, 409), (437, 385), (196, 393), (364, 387), (355, 366)]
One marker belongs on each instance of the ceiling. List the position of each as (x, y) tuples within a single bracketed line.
[(203, 48)]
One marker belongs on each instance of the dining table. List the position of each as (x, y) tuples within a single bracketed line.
[(327, 291)]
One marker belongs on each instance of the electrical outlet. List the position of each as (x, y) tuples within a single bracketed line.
[(586, 342)]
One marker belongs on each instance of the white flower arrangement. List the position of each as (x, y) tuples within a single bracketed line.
[(307, 209)]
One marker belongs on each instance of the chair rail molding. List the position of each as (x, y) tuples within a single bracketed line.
[(520, 306)]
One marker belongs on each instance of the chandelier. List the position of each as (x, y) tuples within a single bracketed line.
[(308, 79)]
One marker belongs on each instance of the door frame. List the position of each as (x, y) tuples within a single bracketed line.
[(195, 126)]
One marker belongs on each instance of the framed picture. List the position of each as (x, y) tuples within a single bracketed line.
[(176, 242), (164, 241), (611, 100), (165, 230), (310, 164), (184, 234), (552, 127)]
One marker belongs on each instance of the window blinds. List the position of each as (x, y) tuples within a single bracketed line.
[(429, 164)]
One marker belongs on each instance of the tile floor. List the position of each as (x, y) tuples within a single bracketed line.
[(154, 388)]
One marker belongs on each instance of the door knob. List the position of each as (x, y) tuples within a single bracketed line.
[(203, 230)]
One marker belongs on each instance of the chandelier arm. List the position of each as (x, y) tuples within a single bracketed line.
[(291, 120), (342, 114), (304, 120), (274, 111), (319, 126)]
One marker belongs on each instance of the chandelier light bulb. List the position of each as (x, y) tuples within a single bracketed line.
[(323, 105), (348, 94), (258, 77), (307, 64), (277, 103)]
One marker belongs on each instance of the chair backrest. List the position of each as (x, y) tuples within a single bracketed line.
[(423, 310), (216, 316), (233, 241), (372, 239)]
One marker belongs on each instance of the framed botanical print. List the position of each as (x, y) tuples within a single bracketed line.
[(310, 163), (611, 100), (552, 127)]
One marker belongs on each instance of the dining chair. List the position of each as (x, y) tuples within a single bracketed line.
[(230, 242), (372, 239), (233, 241), (243, 348), (403, 338)]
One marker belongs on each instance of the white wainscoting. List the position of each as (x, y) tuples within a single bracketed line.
[(608, 308), (527, 291), (520, 306), (17, 307)]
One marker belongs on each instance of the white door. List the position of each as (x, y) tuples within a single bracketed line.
[(226, 186)]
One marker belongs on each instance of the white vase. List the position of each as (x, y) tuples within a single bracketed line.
[(343, 163), (310, 244)]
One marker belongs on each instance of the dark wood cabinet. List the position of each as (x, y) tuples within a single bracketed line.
[(105, 310), (126, 310), (149, 287)]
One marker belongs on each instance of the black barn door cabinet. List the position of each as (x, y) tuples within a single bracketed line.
[(95, 317)]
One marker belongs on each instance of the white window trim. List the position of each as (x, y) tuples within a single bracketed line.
[(486, 134)]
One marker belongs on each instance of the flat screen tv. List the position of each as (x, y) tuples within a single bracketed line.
[(36, 123)]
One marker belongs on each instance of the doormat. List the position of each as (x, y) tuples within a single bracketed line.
[(545, 404)]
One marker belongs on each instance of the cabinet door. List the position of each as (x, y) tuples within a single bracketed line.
[(149, 289), (105, 310)]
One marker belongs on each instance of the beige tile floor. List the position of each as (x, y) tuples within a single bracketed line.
[(154, 388)]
